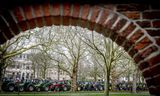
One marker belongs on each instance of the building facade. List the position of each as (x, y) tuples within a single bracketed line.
[(21, 68)]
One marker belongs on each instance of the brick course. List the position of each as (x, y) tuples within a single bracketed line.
[(142, 16)]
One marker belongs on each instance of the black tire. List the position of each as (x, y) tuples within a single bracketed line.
[(21, 89), (38, 89), (30, 88), (96, 89), (79, 88), (57, 88), (11, 88), (100, 88), (46, 89), (65, 88)]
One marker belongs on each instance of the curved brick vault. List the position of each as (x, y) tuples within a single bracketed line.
[(142, 46)]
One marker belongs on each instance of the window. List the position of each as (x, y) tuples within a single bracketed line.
[(18, 66), (27, 67), (12, 66), (27, 76), (20, 56), (23, 74)]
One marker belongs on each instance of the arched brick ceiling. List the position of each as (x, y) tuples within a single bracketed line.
[(142, 47)]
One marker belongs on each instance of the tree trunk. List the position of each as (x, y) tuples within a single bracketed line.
[(95, 72), (95, 77), (74, 83), (34, 71), (2, 64), (74, 78), (106, 92), (134, 82), (58, 77), (1, 76), (44, 74), (128, 77)]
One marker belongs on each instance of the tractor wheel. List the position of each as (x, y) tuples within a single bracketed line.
[(30, 88), (11, 88)]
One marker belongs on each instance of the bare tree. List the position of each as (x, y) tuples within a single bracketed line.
[(131, 71), (64, 44), (41, 55), (95, 70), (13, 47), (44, 63), (72, 51), (106, 53)]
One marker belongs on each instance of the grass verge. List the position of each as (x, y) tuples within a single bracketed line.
[(72, 94)]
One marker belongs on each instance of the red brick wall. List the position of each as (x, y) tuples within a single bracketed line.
[(135, 26), (148, 18)]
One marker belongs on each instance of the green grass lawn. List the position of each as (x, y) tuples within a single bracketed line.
[(73, 94)]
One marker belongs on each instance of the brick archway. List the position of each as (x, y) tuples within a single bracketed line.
[(143, 48)]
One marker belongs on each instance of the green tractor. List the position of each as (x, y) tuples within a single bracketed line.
[(28, 86), (42, 85), (8, 85)]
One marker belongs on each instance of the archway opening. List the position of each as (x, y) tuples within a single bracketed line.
[(72, 53)]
